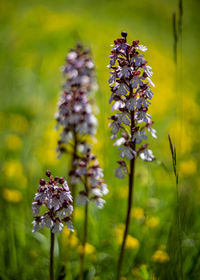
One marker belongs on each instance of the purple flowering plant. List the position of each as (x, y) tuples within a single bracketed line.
[(130, 84), (75, 115), (89, 174), (74, 108), (55, 197)]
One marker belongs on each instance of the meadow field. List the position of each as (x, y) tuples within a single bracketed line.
[(35, 37)]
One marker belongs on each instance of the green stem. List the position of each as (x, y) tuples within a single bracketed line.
[(179, 232)]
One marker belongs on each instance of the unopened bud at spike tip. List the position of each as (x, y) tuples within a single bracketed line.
[(124, 34), (42, 182), (48, 173)]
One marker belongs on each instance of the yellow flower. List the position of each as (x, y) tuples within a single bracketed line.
[(89, 249), (11, 168), (13, 142), (69, 238), (12, 195), (123, 278), (78, 213), (137, 213), (131, 242), (160, 256), (152, 222), (188, 167), (119, 231)]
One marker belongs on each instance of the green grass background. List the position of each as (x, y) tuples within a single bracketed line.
[(35, 37)]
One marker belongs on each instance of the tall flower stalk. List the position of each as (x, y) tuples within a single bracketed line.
[(55, 196), (89, 173), (74, 109), (131, 93)]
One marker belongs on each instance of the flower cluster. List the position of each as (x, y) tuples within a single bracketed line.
[(130, 84), (75, 110), (79, 69), (56, 197), (89, 173)]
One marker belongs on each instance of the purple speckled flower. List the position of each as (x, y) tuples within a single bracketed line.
[(55, 196), (75, 114), (130, 84), (89, 173)]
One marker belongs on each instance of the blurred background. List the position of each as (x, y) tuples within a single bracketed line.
[(35, 37)]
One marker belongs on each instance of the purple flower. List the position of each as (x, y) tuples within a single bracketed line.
[(55, 196), (91, 175), (75, 114), (130, 83)]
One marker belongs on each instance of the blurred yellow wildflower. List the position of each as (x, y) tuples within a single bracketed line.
[(131, 242), (119, 229), (137, 213), (152, 222), (18, 123), (123, 278), (188, 167), (13, 142), (89, 249), (12, 195), (69, 238), (13, 169), (160, 256), (79, 213)]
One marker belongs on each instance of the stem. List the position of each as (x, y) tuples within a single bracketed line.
[(51, 268), (179, 232), (73, 188), (83, 243), (130, 199), (84, 235)]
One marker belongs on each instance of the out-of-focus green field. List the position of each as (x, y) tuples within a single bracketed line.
[(35, 37)]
